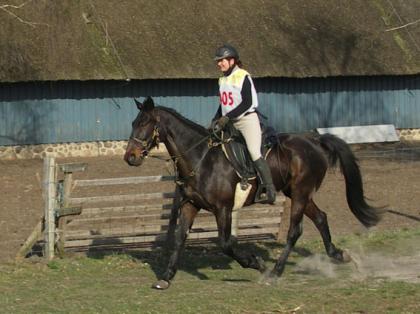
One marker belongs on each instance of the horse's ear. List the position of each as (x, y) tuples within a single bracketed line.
[(139, 104), (148, 104)]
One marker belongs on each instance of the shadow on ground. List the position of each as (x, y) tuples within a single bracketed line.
[(199, 257)]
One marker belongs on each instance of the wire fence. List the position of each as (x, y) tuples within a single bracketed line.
[(390, 152)]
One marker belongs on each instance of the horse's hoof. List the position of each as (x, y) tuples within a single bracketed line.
[(269, 278), (340, 257), (346, 257), (161, 285)]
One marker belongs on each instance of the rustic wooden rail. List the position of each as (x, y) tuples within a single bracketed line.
[(114, 221)]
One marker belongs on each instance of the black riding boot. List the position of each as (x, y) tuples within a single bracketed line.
[(266, 193)]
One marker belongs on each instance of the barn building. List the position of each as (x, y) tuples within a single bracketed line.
[(69, 70)]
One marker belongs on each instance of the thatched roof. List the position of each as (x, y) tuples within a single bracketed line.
[(149, 39)]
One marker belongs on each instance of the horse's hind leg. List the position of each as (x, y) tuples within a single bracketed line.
[(187, 215), (319, 218), (227, 241)]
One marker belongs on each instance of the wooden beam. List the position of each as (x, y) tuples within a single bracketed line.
[(162, 236), (72, 167), (118, 198), (35, 235), (118, 181)]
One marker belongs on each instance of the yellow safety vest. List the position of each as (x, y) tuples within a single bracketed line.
[(230, 91)]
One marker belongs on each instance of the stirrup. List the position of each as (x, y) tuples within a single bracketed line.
[(262, 196)]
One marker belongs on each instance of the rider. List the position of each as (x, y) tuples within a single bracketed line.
[(238, 102)]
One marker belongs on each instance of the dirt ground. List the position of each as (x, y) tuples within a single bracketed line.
[(391, 176)]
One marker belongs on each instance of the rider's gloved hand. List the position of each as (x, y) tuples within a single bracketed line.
[(221, 123), (218, 124)]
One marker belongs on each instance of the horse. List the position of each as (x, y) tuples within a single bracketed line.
[(207, 180)]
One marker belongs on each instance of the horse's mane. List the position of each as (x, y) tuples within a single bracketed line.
[(195, 126)]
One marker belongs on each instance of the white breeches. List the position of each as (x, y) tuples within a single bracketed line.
[(250, 128)]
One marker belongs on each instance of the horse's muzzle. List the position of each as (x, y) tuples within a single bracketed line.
[(133, 159)]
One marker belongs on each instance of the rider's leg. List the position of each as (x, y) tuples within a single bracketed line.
[(267, 181), (250, 128)]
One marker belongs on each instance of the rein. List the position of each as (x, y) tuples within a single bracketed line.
[(174, 158), (193, 172), (148, 144)]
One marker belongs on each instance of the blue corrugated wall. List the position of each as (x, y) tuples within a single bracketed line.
[(78, 111)]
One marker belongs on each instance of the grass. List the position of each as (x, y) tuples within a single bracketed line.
[(209, 282)]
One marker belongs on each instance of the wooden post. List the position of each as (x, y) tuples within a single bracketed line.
[(49, 186), (62, 221)]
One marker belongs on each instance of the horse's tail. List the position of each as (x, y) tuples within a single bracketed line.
[(337, 149)]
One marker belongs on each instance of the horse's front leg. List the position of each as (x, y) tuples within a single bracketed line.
[(187, 215), (176, 205), (295, 231), (227, 241)]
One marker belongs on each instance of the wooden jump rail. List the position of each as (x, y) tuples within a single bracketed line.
[(71, 225)]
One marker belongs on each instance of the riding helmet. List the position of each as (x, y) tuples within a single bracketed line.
[(226, 51)]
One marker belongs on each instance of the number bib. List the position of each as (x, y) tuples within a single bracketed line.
[(230, 91)]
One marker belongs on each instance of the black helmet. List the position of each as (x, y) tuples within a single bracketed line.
[(226, 51)]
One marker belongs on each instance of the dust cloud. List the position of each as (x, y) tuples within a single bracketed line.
[(317, 264), (391, 267), (365, 264)]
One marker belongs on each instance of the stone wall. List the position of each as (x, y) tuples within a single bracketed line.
[(409, 135), (109, 148), (88, 149)]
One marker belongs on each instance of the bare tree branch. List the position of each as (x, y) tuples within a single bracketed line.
[(107, 37), (402, 26), (401, 21), (14, 6), (5, 8)]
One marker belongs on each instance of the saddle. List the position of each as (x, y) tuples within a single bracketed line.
[(234, 147)]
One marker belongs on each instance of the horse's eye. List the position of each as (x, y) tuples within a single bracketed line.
[(139, 122), (143, 121)]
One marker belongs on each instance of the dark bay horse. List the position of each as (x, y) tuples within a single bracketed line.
[(298, 165)]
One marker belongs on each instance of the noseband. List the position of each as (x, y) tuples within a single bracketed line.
[(147, 145)]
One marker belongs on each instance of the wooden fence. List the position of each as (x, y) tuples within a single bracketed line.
[(86, 221)]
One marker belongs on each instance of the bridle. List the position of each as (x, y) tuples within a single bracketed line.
[(147, 145), (154, 140)]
